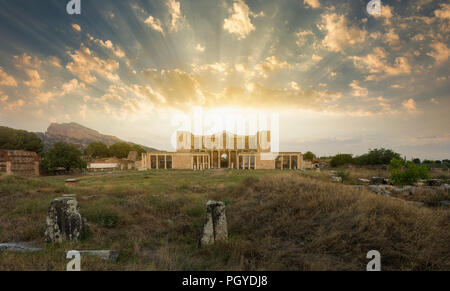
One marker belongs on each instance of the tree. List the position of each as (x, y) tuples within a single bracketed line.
[(120, 150), (377, 157), (137, 148), (407, 173), (341, 159), (13, 139), (63, 155), (416, 161), (309, 156), (98, 150)]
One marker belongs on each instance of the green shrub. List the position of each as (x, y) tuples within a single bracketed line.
[(341, 159), (343, 174), (407, 173), (102, 215), (377, 157)]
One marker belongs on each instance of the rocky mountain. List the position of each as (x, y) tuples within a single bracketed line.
[(77, 134)]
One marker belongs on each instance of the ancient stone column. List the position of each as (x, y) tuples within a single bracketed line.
[(215, 226), (64, 222)]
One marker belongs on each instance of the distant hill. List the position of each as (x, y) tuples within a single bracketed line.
[(77, 134)]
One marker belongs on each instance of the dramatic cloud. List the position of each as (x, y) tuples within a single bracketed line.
[(410, 105), (444, 12), (302, 37), (76, 27), (200, 48), (440, 52), (357, 90), (117, 51), (314, 62), (154, 23), (27, 61), (7, 80), (339, 33), (71, 86), (270, 65), (376, 63), (35, 79), (312, 3), (175, 15), (85, 64), (239, 22)]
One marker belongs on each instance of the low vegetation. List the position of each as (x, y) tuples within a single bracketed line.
[(407, 173), (277, 221)]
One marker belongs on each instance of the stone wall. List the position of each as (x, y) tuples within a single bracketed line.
[(19, 162)]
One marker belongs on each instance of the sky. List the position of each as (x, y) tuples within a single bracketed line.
[(339, 79)]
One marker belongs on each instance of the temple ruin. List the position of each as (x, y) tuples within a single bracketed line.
[(222, 150)]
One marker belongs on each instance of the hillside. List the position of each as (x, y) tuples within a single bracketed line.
[(276, 221), (77, 134)]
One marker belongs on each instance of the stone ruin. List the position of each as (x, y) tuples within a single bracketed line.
[(215, 226), (64, 222)]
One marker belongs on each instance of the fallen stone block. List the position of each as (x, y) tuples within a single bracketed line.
[(365, 181), (72, 182), (379, 189), (336, 179), (215, 226), (379, 181), (64, 222), (106, 255), (433, 182), (445, 203), (445, 187), (417, 203), (18, 248)]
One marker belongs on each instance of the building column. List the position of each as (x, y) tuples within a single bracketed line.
[(218, 159), (165, 162), (282, 161), (157, 162), (290, 162), (8, 167)]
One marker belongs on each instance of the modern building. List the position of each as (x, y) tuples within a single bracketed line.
[(19, 162), (222, 150), (111, 164)]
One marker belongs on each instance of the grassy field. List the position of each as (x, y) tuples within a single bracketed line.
[(278, 220)]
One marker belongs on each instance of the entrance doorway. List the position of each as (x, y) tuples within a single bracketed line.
[(224, 160)]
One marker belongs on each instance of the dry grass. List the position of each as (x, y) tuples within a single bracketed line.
[(291, 223), (277, 221)]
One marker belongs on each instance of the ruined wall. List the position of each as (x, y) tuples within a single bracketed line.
[(19, 162), (264, 164), (182, 161)]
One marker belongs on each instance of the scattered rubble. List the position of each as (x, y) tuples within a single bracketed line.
[(365, 181), (18, 248), (71, 182), (336, 179), (445, 203), (379, 181), (416, 203), (379, 189), (433, 182), (106, 255)]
